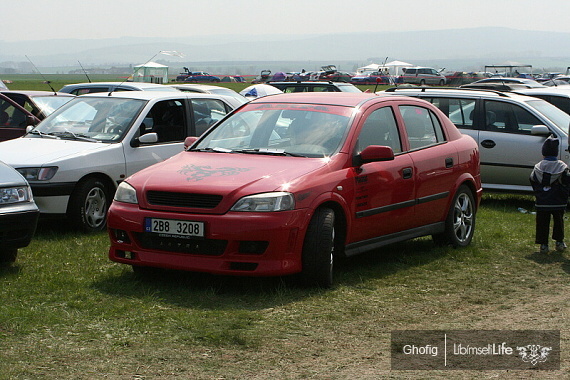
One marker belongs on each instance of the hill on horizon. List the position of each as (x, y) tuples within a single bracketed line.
[(457, 49)]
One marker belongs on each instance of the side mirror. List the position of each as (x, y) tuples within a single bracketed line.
[(189, 141), (540, 130), (375, 153), (147, 138), (32, 120)]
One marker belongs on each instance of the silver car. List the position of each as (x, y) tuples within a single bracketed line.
[(422, 76), (509, 129)]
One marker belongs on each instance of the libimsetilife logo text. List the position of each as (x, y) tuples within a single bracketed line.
[(475, 349)]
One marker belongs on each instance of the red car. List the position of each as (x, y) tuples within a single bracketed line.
[(289, 182)]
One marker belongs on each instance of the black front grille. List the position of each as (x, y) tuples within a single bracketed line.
[(166, 198), (194, 246)]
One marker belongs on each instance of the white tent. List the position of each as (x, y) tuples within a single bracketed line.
[(151, 72), (396, 65), (371, 67)]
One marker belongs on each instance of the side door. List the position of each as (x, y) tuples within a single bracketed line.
[(435, 163), (508, 150), (384, 191), (169, 120)]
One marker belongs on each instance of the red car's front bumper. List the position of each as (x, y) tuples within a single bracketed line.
[(236, 243)]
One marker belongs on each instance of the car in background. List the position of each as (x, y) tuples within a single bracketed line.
[(422, 76), (14, 119), (558, 96), (199, 77), (208, 89), (529, 83), (314, 86), (75, 158), (509, 129), (372, 77), (91, 87), (288, 183), (18, 213), (39, 103), (330, 73)]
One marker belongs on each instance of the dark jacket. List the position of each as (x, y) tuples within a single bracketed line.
[(550, 180)]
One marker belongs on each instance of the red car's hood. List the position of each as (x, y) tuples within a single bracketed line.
[(226, 174)]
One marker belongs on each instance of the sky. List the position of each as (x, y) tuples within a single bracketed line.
[(98, 19)]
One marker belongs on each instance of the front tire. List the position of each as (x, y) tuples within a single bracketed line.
[(88, 205), (8, 256), (460, 221), (422, 82), (318, 250)]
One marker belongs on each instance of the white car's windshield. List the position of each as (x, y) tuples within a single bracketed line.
[(287, 129), (48, 104), (91, 119), (553, 113)]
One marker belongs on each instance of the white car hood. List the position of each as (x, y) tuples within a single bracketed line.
[(44, 151)]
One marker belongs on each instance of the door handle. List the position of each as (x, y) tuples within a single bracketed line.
[(449, 162), (488, 144), (407, 173)]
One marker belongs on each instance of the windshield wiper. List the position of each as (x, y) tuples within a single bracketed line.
[(273, 152), (43, 134), (75, 136), (215, 149)]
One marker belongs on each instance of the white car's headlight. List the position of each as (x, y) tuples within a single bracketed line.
[(38, 174), (126, 193), (266, 202), (18, 194)]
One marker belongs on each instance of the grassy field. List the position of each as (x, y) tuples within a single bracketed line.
[(67, 312)]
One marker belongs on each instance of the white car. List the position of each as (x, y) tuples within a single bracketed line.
[(208, 89), (75, 158)]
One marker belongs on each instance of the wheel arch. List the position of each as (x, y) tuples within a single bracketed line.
[(107, 181)]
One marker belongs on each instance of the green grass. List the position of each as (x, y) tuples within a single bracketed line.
[(67, 312)]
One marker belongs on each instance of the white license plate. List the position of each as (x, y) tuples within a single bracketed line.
[(174, 227)]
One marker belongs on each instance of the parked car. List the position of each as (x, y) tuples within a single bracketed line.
[(199, 77), (316, 86), (14, 119), (75, 158), (88, 88), (372, 77), (18, 213), (509, 129), (209, 89), (3, 85), (39, 103), (289, 182), (530, 83), (422, 76), (330, 73)]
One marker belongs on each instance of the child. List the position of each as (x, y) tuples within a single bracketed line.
[(550, 180)]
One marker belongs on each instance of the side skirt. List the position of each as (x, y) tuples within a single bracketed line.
[(367, 245)]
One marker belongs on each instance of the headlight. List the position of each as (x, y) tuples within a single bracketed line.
[(38, 174), (126, 193), (267, 202), (17, 194)]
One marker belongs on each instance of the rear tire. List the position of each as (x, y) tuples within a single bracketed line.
[(88, 205), (8, 256), (318, 250), (460, 221), (422, 82)]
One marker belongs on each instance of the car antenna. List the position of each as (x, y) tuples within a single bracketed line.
[(85, 72), (45, 80)]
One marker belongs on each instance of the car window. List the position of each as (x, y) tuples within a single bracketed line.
[(322, 89), (95, 119), (167, 119), (507, 117), (206, 113), (459, 111), (88, 90), (561, 102), (10, 116), (311, 131), (420, 127), (380, 128), (48, 104)]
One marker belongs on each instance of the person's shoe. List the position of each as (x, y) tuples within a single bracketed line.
[(544, 248), (560, 246)]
